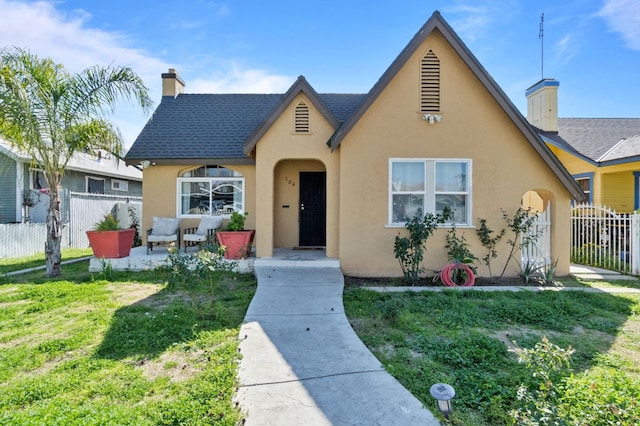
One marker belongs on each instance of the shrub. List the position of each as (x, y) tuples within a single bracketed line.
[(187, 271), (538, 403), (410, 250)]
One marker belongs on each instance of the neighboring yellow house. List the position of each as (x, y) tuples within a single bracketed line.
[(602, 154), (345, 171)]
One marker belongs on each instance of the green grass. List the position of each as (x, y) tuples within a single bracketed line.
[(80, 350), (19, 263), (463, 338)]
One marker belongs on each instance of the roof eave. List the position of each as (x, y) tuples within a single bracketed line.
[(301, 85), (437, 22), (192, 161)]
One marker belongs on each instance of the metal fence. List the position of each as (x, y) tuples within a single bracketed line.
[(80, 212), (606, 239)]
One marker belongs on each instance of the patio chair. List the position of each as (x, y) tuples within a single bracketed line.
[(165, 230), (205, 232)]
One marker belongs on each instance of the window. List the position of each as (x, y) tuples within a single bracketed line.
[(95, 185), (302, 118), (430, 83), (210, 190), (417, 186), (584, 182), (119, 185), (38, 180)]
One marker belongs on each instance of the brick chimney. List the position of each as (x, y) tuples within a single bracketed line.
[(172, 84), (542, 104)]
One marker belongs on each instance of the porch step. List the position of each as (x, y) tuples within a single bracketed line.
[(302, 262)]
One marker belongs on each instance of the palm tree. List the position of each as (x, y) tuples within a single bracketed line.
[(51, 114)]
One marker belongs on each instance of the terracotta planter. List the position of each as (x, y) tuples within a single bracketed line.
[(237, 243), (111, 244)]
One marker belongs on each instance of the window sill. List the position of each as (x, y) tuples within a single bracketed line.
[(402, 226)]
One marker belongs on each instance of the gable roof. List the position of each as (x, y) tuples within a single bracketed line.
[(300, 86), (599, 141), (437, 23), (223, 128)]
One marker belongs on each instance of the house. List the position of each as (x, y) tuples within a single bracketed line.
[(602, 154), (345, 171), (21, 179)]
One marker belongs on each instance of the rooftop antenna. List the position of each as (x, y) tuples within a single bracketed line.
[(541, 37)]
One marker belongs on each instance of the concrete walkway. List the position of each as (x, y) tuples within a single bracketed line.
[(304, 365)]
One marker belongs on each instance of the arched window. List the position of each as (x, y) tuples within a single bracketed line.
[(430, 83), (302, 118), (210, 190)]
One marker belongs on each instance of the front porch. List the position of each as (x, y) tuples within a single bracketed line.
[(139, 260)]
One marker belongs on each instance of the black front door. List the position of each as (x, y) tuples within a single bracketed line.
[(313, 206)]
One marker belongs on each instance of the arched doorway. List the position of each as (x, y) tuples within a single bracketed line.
[(300, 199)]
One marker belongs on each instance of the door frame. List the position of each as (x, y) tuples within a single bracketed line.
[(323, 227)]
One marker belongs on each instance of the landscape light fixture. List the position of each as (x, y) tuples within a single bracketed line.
[(443, 393)]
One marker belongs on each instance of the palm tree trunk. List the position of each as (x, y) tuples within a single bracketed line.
[(54, 234)]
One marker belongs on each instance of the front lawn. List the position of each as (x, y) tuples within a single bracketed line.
[(464, 338), (20, 263), (131, 350)]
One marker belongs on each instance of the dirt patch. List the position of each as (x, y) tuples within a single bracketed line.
[(132, 292), (177, 366)]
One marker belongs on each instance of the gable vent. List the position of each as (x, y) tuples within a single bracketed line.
[(430, 83), (302, 118)]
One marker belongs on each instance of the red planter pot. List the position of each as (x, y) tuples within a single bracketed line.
[(237, 243), (111, 244)]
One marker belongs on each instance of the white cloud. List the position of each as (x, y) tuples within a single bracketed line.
[(473, 20), (69, 39), (235, 79), (565, 48), (623, 16)]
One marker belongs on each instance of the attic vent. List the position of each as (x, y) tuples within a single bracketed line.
[(302, 118), (430, 83)]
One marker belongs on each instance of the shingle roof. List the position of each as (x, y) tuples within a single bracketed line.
[(209, 129), (214, 126), (597, 139)]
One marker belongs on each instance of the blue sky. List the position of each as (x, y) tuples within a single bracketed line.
[(591, 46)]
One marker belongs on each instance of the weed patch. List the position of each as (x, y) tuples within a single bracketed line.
[(463, 338)]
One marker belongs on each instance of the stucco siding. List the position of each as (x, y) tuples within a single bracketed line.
[(280, 154), (160, 192), (505, 166)]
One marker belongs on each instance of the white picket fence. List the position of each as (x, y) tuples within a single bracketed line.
[(538, 252), (604, 238)]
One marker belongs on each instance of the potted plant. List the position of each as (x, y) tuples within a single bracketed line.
[(235, 239), (108, 240)]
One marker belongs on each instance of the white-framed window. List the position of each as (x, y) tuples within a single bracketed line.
[(419, 186), (210, 190), (119, 185), (94, 185), (38, 180)]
